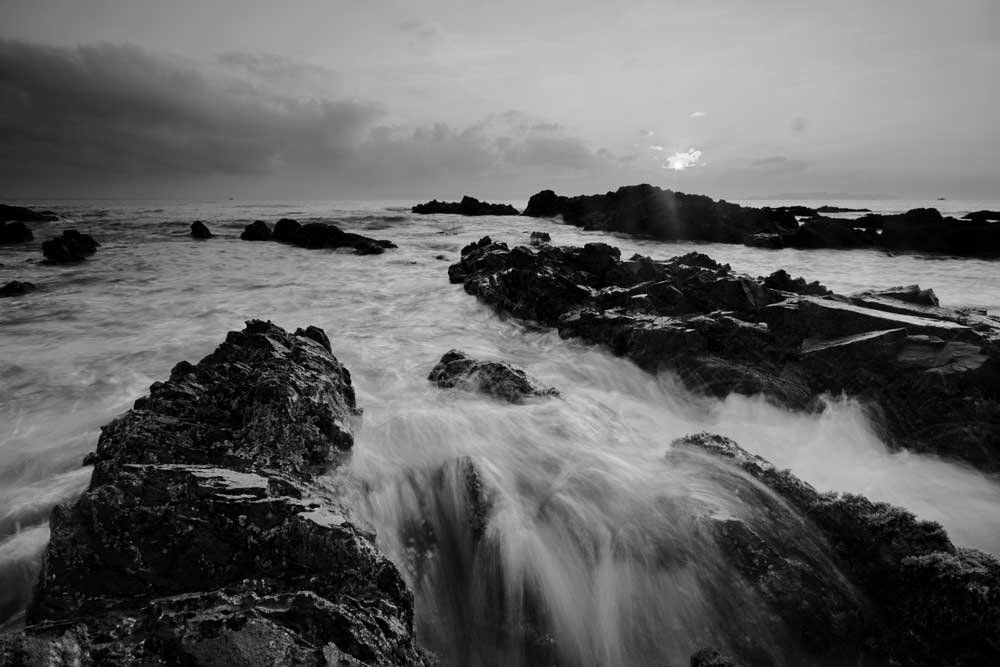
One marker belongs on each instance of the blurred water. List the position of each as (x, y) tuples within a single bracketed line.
[(577, 477)]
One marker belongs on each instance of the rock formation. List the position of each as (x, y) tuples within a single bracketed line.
[(199, 230), (22, 214), (203, 539), (496, 378), (72, 246), (468, 206), (14, 232), (315, 235), (17, 288), (931, 374)]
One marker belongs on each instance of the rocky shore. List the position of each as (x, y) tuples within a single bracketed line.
[(645, 210), (314, 235), (468, 206), (203, 538), (929, 375)]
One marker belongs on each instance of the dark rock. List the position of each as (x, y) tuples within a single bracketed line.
[(840, 209), (710, 658), (258, 230), (721, 332), (925, 230), (468, 206), (202, 538), (781, 281), (317, 235), (287, 230), (910, 294), (826, 233), (17, 288), (770, 241), (538, 238), (22, 214), (673, 216), (797, 211), (199, 230), (936, 604), (496, 378), (982, 216), (14, 232), (72, 246)]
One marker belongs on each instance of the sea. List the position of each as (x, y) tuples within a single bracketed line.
[(94, 336)]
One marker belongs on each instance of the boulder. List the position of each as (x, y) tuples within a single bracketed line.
[(782, 282), (935, 603), (203, 537), (22, 214), (287, 230), (72, 246), (14, 232), (17, 288), (258, 230), (495, 378), (199, 230), (538, 238), (468, 206)]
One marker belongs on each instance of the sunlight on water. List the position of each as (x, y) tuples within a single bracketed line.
[(598, 528)]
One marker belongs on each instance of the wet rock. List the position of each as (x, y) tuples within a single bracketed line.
[(496, 378), (72, 246), (827, 233), (771, 241), (910, 294), (14, 232), (538, 238), (17, 288), (287, 230), (199, 230), (936, 604), (258, 230), (316, 235), (841, 209), (22, 214), (468, 206), (790, 340), (982, 216), (202, 538), (925, 230)]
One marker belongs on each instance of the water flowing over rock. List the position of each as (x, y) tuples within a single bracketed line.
[(936, 604), (17, 288), (204, 538), (468, 206), (644, 210), (931, 375), (199, 230), (72, 246), (324, 235), (496, 378)]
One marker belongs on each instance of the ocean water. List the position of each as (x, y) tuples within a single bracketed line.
[(575, 477)]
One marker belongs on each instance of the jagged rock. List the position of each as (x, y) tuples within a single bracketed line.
[(17, 288), (14, 232), (721, 332), (827, 233), (22, 214), (468, 206), (258, 230), (936, 604), (72, 246), (202, 538), (199, 230), (496, 378), (538, 238), (910, 294)]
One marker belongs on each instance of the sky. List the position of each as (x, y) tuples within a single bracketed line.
[(365, 99)]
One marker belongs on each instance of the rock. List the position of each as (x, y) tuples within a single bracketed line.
[(771, 241), (199, 230), (840, 209), (782, 282), (982, 216), (287, 230), (936, 604), (468, 206), (203, 539), (663, 214), (14, 232), (17, 288), (789, 340), (925, 230), (318, 235), (538, 238), (496, 378), (72, 246), (910, 294), (22, 214), (258, 230), (826, 233), (710, 658)]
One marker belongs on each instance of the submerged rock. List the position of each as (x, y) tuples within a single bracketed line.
[(17, 288), (72, 246), (793, 341), (496, 378), (935, 603), (468, 206), (324, 235), (202, 538), (199, 230), (14, 232)]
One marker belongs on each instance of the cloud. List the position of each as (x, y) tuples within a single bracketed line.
[(699, 114), (683, 160)]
